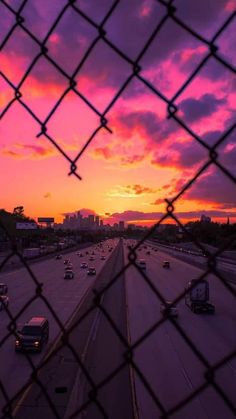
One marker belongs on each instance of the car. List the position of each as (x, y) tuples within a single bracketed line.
[(33, 335), (168, 310), (103, 258), (69, 274), (84, 265), (68, 268), (166, 264), (78, 253), (91, 271), (3, 289), (81, 255), (142, 264), (91, 258), (4, 301), (58, 257), (66, 261)]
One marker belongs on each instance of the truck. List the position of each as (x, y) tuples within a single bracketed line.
[(197, 297), (3, 289)]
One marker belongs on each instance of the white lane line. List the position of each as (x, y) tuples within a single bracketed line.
[(231, 366), (57, 338)]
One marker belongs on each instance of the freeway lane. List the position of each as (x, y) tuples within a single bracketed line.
[(63, 296), (224, 265), (105, 355), (101, 351), (169, 365)]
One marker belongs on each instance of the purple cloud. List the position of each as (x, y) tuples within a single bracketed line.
[(214, 187), (195, 109), (132, 216), (155, 128)]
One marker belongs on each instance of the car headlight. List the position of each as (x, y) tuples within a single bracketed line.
[(17, 342), (36, 343)]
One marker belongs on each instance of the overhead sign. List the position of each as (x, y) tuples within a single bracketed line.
[(26, 226), (46, 220)]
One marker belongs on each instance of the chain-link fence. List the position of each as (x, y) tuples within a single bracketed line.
[(212, 52)]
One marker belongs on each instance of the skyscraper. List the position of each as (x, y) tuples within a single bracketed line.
[(91, 221), (121, 226), (97, 221)]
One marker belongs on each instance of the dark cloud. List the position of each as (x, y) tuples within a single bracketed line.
[(40, 16), (129, 27), (155, 128), (191, 154), (214, 70), (184, 155), (202, 15), (214, 187), (211, 137), (195, 109), (132, 216), (7, 21)]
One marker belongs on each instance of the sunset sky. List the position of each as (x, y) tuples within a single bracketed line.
[(127, 173)]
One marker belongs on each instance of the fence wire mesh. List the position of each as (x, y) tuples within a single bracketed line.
[(170, 14)]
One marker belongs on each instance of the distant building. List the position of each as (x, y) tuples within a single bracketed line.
[(121, 226), (91, 222), (205, 219), (97, 221), (131, 227)]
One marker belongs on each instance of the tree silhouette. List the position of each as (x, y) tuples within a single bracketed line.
[(19, 211)]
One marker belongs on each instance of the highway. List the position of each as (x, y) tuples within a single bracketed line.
[(224, 265), (168, 364), (170, 367), (62, 295)]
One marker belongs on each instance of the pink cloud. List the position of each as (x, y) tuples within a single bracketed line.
[(26, 151), (129, 191), (104, 152)]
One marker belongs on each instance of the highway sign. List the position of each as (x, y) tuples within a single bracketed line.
[(26, 226), (46, 220)]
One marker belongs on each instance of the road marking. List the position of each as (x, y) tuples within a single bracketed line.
[(58, 338), (131, 371)]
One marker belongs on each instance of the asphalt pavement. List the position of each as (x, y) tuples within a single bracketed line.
[(172, 370), (60, 296)]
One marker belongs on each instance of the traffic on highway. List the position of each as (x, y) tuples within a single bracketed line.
[(176, 340), (64, 283), (207, 317)]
